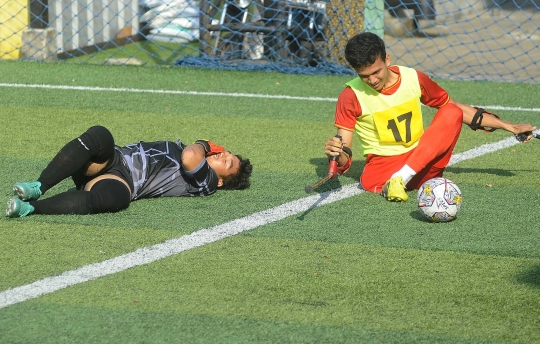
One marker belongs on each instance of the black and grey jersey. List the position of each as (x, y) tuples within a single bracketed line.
[(156, 170)]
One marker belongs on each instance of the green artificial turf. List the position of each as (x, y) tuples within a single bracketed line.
[(358, 270), (359, 289)]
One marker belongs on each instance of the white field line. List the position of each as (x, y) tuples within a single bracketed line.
[(191, 93), (220, 94), (204, 236)]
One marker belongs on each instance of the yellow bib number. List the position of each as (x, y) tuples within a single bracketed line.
[(400, 124)]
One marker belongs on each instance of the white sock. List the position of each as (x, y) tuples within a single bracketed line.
[(406, 173)]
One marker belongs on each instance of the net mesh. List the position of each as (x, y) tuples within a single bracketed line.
[(495, 40)]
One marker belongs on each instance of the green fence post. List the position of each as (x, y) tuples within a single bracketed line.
[(374, 17)]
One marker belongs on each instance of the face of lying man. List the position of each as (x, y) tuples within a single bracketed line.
[(225, 164)]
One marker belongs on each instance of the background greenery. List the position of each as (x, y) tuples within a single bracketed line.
[(354, 271)]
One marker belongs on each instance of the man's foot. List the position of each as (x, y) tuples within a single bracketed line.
[(27, 191), (394, 190), (18, 208)]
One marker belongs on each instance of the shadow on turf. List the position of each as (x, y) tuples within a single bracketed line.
[(321, 169), (313, 206), (530, 276), (417, 216), (495, 171), (321, 165)]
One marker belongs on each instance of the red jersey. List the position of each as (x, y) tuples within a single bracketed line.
[(348, 108)]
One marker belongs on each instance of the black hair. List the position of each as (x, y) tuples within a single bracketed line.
[(240, 180), (363, 50)]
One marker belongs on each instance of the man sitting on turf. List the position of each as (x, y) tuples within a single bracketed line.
[(108, 177), (383, 106)]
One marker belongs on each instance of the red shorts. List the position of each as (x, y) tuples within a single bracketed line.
[(428, 158)]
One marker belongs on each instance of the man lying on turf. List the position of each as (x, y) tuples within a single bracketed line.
[(108, 177)]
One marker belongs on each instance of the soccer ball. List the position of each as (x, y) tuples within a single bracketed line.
[(439, 199)]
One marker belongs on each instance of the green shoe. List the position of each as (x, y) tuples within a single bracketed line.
[(394, 190), (18, 208), (27, 191)]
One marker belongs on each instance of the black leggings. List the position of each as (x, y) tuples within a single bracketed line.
[(94, 145), (105, 196)]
